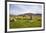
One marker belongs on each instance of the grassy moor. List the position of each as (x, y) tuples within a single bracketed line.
[(26, 20)]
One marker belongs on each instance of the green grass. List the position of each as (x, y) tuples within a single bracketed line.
[(35, 22)]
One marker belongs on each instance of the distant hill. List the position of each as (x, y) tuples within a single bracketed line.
[(29, 14), (36, 14)]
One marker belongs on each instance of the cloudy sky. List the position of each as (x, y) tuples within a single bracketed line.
[(16, 9)]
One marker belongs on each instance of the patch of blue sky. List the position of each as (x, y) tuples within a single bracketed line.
[(16, 9)]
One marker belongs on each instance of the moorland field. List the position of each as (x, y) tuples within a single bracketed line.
[(25, 20)]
